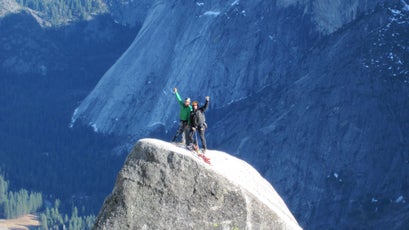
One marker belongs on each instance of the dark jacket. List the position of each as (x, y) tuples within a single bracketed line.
[(197, 117)]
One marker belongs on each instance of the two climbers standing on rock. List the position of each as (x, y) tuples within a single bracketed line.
[(192, 120)]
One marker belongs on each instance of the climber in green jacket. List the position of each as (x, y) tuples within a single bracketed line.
[(184, 115)]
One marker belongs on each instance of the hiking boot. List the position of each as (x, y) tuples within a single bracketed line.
[(190, 147)]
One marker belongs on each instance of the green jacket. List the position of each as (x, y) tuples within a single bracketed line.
[(184, 110)]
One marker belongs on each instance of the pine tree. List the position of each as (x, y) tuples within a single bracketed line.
[(75, 221), (10, 206), (44, 221), (89, 221), (3, 190)]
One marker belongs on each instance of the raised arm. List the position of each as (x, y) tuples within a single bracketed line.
[(206, 105), (178, 96)]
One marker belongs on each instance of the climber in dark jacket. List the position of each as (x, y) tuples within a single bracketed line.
[(184, 116), (198, 122)]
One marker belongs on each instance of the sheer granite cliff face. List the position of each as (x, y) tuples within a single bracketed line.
[(162, 186), (238, 47)]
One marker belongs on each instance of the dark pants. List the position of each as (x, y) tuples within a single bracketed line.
[(183, 131), (193, 138)]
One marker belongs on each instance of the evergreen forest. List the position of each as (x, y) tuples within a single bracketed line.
[(60, 11), (16, 204)]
